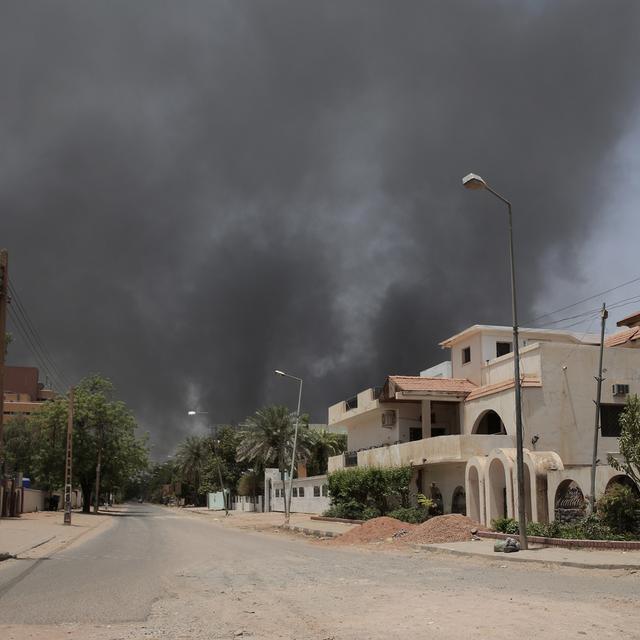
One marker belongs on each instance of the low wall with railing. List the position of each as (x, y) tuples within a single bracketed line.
[(247, 503)]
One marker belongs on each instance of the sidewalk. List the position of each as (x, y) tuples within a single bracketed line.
[(35, 534), (581, 558), (300, 522)]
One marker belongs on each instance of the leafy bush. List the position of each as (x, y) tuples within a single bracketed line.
[(414, 515), (590, 528), (619, 508), (505, 525), (368, 492)]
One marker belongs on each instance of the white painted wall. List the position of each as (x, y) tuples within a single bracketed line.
[(32, 500)]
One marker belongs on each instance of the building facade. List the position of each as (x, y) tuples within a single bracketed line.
[(455, 422)]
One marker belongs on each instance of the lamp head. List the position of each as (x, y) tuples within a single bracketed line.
[(280, 373), (191, 413), (473, 181)]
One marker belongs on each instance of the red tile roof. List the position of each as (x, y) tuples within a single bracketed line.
[(630, 321), (436, 385), (626, 335)]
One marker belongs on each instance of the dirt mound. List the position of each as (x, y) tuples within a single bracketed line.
[(376, 530), (449, 528)]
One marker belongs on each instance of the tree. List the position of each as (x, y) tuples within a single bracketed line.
[(193, 458), (100, 424), (629, 441), (18, 447), (268, 439), (324, 443)]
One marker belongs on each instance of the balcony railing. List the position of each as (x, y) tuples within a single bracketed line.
[(351, 459), (352, 403)]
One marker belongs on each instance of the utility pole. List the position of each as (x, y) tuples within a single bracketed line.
[(604, 314), (219, 465), (97, 502), (68, 477), (4, 283)]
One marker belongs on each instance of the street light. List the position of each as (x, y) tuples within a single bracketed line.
[(475, 182), (192, 412), (287, 503)]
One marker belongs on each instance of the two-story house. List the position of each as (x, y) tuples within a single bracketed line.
[(455, 423)]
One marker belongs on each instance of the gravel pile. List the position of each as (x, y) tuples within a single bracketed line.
[(375, 530), (449, 528)]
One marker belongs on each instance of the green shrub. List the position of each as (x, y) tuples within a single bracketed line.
[(618, 508), (414, 515), (589, 528), (505, 525), (368, 492)]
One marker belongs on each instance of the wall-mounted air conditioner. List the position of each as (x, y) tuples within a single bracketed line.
[(388, 419), (620, 389)]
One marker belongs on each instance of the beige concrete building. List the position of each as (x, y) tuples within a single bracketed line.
[(455, 423), (23, 394)]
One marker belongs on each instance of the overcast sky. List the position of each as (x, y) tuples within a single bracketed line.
[(196, 193)]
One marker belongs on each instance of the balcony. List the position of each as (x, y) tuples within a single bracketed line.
[(441, 449)]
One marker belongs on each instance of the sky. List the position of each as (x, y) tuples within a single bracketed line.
[(194, 194)]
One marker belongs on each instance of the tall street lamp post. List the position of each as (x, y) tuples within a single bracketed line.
[(287, 506), (215, 452), (473, 181)]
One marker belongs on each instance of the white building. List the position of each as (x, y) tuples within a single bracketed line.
[(455, 423)]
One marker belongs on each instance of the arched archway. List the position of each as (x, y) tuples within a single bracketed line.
[(497, 507), (489, 423), (624, 481), (527, 493), (475, 503), (569, 502), (459, 501)]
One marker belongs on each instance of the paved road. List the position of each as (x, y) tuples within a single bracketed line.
[(158, 573)]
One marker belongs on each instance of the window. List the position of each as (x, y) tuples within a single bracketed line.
[(466, 355), (301, 492), (325, 490), (316, 491), (415, 433), (502, 348), (295, 492), (277, 493), (609, 420)]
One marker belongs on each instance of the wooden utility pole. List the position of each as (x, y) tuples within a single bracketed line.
[(604, 314), (68, 477), (4, 285)]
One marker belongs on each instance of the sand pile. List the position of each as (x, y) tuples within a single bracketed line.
[(449, 528), (376, 530)]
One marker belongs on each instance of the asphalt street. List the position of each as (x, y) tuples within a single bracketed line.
[(160, 573)]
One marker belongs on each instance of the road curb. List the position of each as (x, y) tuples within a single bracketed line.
[(513, 557), (310, 532)]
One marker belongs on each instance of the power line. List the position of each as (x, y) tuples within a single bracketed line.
[(30, 344), (575, 304), (33, 339), (34, 332)]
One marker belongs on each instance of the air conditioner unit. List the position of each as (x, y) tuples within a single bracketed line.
[(620, 389), (388, 419)]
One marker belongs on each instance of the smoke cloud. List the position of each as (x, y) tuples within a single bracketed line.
[(194, 194)]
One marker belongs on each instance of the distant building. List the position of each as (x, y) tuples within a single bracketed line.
[(23, 392)]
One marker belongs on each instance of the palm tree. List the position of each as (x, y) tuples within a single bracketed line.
[(193, 454), (325, 443), (268, 439)]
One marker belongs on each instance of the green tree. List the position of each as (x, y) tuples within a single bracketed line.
[(323, 445), (18, 447), (100, 425), (193, 459), (268, 439), (629, 441)]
